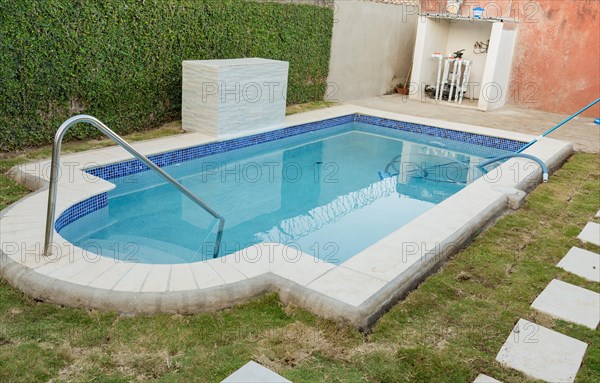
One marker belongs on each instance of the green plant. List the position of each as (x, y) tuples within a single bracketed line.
[(121, 60)]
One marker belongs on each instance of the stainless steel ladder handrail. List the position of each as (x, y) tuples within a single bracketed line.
[(82, 118)]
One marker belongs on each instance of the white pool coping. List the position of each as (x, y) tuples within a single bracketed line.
[(357, 291)]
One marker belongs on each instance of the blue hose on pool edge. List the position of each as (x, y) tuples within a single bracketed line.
[(540, 162), (528, 156)]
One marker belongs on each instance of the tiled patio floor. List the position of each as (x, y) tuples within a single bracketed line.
[(582, 131)]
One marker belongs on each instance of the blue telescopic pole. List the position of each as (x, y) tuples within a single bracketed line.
[(558, 126)]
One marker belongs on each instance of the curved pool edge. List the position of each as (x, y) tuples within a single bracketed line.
[(358, 291), (65, 293)]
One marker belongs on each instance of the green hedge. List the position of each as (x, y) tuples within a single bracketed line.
[(120, 60)]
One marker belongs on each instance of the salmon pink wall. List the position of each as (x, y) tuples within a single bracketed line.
[(556, 65), (558, 54)]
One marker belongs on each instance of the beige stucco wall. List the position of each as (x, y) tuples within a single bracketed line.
[(371, 48)]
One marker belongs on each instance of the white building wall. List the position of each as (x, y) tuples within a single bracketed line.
[(371, 50)]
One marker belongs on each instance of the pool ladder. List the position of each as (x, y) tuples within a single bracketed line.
[(82, 118)]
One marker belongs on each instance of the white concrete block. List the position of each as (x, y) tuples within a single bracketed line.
[(348, 286), (590, 233), (69, 269), (303, 269), (135, 278), (542, 353), (205, 275), (157, 279), (598, 214), (569, 302), (112, 276), (88, 275), (581, 262), (227, 98), (481, 378), (182, 278), (226, 270), (253, 372), (252, 261)]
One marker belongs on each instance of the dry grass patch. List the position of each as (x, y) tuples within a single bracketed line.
[(291, 345)]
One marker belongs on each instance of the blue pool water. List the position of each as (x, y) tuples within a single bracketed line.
[(329, 193)]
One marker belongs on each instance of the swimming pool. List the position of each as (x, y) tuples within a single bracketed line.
[(330, 193), (385, 197)]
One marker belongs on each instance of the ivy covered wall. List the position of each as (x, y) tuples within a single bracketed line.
[(120, 60)]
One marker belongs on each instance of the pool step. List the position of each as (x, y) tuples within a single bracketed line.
[(130, 248)]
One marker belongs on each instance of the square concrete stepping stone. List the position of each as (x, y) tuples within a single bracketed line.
[(590, 233), (481, 378), (569, 302), (542, 353), (581, 262), (253, 372)]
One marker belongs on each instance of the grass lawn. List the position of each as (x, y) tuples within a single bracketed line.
[(448, 330)]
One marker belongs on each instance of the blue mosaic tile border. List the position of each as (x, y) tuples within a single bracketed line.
[(126, 168), (449, 134), (81, 209)]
